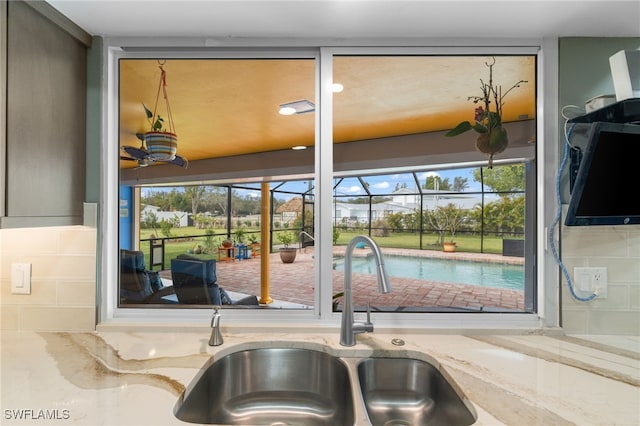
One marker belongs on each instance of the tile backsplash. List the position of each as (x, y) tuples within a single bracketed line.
[(63, 278), (63, 268), (618, 249)]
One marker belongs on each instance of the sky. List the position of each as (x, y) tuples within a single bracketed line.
[(386, 184), (381, 184)]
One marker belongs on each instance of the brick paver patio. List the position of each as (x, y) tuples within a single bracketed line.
[(294, 283)]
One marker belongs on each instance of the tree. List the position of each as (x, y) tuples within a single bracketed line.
[(150, 221), (195, 193), (215, 200), (454, 217), (442, 185), (502, 178), (395, 221), (376, 199), (411, 221), (158, 199), (166, 225), (505, 215), (437, 222), (460, 183)]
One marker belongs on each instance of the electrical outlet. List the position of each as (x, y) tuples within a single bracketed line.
[(590, 280)]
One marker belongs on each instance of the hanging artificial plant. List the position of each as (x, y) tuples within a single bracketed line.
[(492, 136), (161, 143)]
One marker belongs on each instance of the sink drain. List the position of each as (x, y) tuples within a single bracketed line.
[(397, 342)]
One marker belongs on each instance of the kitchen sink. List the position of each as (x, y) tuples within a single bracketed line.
[(405, 391), (273, 386)]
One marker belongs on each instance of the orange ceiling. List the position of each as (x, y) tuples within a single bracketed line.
[(227, 107)]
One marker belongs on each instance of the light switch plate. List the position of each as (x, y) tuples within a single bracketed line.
[(21, 278)]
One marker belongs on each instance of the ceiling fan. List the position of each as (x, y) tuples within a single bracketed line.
[(145, 158)]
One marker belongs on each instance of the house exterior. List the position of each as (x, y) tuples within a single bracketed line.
[(403, 201), (181, 217)]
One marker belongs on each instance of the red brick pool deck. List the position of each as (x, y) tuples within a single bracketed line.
[(293, 283)]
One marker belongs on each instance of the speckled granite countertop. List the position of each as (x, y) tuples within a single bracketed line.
[(135, 378)]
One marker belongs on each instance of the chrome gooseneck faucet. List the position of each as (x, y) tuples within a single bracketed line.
[(349, 328), (216, 334)]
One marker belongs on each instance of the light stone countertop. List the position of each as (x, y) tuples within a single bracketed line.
[(135, 378)]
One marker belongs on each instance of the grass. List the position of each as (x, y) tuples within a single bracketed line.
[(465, 243), (468, 243)]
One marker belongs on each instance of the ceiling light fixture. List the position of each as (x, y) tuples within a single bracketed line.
[(337, 87), (297, 107), (298, 147)]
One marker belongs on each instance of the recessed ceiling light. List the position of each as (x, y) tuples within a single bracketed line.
[(337, 87), (297, 107), (298, 147), (286, 110)]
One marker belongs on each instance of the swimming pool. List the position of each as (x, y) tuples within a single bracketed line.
[(483, 274)]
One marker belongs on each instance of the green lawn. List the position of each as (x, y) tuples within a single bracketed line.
[(468, 243), (173, 248), (465, 243)]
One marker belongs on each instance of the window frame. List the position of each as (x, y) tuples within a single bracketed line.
[(547, 315)]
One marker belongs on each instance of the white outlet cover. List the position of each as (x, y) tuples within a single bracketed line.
[(587, 280)]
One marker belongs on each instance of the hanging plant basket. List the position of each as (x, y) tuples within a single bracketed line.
[(492, 136), (162, 146), (161, 142), (492, 142)]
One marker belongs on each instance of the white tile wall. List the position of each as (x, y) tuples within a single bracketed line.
[(63, 285), (64, 279), (618, 249)]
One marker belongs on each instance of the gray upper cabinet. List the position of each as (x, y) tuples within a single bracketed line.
[(44, 102)]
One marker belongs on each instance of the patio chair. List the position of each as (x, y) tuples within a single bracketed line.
[(137, 285), (194, 281)]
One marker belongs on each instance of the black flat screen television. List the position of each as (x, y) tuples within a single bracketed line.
[(607, 186)]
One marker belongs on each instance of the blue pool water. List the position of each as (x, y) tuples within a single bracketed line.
[(482, 274)]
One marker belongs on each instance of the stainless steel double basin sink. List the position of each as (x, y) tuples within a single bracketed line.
[(302, 386)]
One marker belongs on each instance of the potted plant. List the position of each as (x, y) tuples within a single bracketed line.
[(446, 219), (453, 219), (287, 254), (161, 143), (492, 136), (254, 245), (239, 234), (210, 243)]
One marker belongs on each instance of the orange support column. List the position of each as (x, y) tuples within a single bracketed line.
[(265, 236)]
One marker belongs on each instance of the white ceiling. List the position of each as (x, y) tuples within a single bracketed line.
[(225, 19)]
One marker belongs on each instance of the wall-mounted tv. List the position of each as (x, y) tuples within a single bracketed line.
[(607, 186)]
